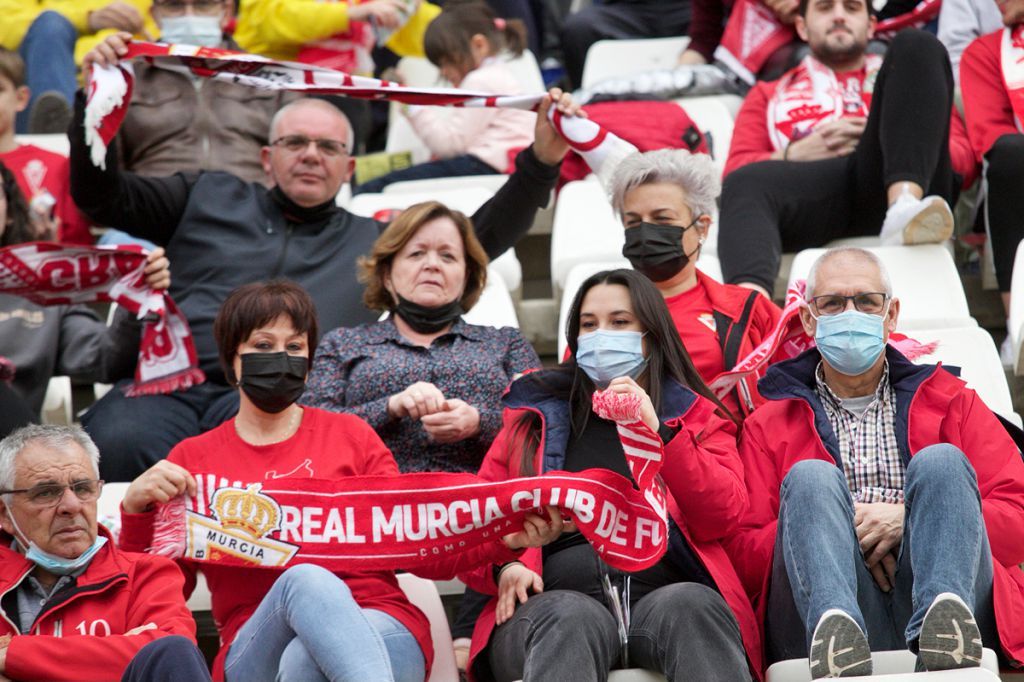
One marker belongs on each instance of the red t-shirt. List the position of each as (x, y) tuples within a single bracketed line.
[(40, 172), (694, 318)]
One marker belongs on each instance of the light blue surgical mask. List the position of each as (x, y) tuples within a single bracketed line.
[(851, 341), (189, 29), (51, 563), (606, 354)]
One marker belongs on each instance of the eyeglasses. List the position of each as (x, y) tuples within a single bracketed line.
[(294, 144), (50, 494), (872, 302), (178, 7)]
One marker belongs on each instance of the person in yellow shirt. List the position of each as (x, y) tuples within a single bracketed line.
[(49, 35)]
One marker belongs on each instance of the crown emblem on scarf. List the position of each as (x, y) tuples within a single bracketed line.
[(247, 510)]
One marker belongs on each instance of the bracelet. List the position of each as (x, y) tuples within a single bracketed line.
[(498, 570)]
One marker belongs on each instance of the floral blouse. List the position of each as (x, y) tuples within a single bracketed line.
[(356, 370)]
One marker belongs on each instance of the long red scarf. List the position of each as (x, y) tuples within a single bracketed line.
[(110, 92), (1012, 62), (56, 274), (393, 522)]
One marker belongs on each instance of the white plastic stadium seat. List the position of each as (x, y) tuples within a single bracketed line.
[(495, 307), (57, 142), (57, 401), (616, 58), (973, 351), (466, 200), (492, 183), (894, 666), (424, 596), (585, 230), (924, 278), (1015, 323), (711, 115)]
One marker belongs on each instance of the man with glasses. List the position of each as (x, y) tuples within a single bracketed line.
[(886, 501), (74, 606)]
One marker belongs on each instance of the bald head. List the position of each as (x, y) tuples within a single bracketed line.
[(841, 261), (279, 127)]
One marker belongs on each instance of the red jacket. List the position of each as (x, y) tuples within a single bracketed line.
[(326, 445), (986, 102), (118, 591), (750, 140), (702, 472), (933, 406)]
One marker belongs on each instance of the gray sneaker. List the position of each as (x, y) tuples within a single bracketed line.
[(50, 113), (950, 637), (839, 647)]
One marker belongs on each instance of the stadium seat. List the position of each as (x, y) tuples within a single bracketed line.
[(423, 595), (492, 183), (57, 402), (713, 117), (973, 351), (495, 307), (924, 278), (1015, 324), (616, 58), (467, 200), (585, 230), (57, 142), (894, 666)]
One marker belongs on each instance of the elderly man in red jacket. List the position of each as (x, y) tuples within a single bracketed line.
[(73, 606), (886, 501)]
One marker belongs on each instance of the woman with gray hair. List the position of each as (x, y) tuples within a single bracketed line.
[(665, 199)]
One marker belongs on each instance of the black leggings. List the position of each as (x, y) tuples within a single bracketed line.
[(1004, 175), (775, 206)]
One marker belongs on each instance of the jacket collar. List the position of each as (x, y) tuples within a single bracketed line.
[(385, 331)]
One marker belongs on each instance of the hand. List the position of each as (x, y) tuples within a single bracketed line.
[(879, 528), (119, 15), (691, 58), (784, 10), (455, 421), (514, 581), (4, 643), (106, 53), (420, 399), (827, 141), (385, 13), (538, 531), (158, 270), (550, 147), (648, 415), (162, 482), (884, 573), (47, 226)]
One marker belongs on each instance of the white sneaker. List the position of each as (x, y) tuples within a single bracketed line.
[(917, 221), (950, 637), (839, 647)]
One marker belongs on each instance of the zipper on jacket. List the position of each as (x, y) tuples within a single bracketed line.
[(284, 250), (87, 590), (8, 591)]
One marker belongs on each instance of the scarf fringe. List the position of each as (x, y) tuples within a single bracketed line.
[(179, 381), (169, 536)]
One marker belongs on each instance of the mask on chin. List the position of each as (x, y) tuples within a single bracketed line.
[(656, 251), (190, 29), (51, 563), (428, 319)]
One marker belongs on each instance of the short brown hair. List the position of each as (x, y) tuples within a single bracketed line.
[(254, 305), (374, 269), (12, 67)]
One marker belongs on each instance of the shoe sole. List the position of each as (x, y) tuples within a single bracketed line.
[(932, 225), (839, 648), (950, 637), (50, 114)]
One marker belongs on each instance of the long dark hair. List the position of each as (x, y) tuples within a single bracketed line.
[(667, 360), (19, 227)]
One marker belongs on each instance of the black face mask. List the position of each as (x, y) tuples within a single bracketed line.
[(656, 251), (273, 381), (427, 320)]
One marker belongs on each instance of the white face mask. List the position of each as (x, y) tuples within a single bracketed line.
[(51, 563), (189, 29)]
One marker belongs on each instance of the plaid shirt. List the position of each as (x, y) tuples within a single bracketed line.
[(871, 457)]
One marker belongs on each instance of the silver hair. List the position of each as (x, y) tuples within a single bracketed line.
[(350, 139), (695, 174), (849, 252), (52, 436)]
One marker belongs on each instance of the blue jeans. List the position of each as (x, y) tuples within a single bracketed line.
[(48, 50), (467, 164), (818, 564), (310, 628)]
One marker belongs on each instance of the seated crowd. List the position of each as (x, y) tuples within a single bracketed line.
[(833, 500)]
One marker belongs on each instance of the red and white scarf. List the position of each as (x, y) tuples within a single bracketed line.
[(56, 274), (393, 522), (811, 94), (110, 92), (753, 33), (1012, 62)]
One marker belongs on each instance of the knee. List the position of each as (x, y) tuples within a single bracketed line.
[(808, 478), (578, 28), (52, 26), (692, 603), (940, 462), (558, 608), (1005, 158), (313, 580), (916, 44)]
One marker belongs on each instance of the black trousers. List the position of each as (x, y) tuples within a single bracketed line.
[(14, 411), (619, 20), (1004, 199), (776, 206), (168, 659)]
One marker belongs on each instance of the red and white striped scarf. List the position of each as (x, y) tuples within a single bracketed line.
[(393, 522), (110, 91), (1012, 63), (56, 274)]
